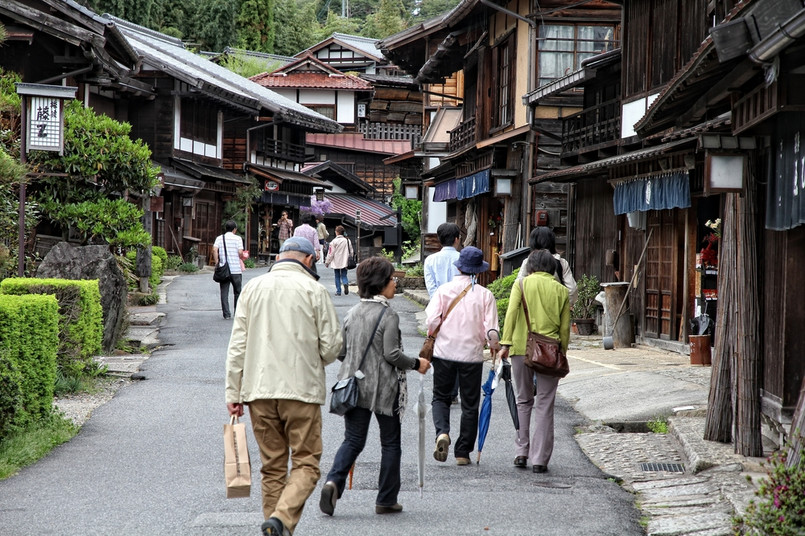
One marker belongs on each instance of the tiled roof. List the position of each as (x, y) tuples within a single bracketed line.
[(169, 55), (356, 142), (309, 72), (371, 211)]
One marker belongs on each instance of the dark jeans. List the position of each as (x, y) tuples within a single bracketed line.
[(469, 375), (356, 427), (237, 281)]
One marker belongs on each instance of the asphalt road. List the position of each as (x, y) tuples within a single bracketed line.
[(150, 461)]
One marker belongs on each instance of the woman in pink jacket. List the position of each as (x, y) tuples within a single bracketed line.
[(459, 351)]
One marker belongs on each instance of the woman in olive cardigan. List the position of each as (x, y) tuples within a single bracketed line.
[(549, 312)]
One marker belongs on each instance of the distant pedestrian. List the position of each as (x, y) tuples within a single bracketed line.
[(458, 352), (338, 258), (543, 238), (372, 329), (549, 312), (228, 249), (306, 230), (324, 234), (439, 267), (285, 332), (285, 228)]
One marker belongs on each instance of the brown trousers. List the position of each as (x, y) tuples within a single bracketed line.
[(280, 425)]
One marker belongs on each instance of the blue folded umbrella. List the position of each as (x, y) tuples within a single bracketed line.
[(485, 413)]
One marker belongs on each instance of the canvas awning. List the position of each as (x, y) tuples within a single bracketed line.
[(657, 192)]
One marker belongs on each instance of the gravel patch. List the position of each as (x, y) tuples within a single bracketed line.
[(78, 407)]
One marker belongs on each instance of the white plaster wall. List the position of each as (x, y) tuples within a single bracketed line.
[(314, 96), (345, 108)]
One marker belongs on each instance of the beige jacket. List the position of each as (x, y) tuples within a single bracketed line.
[(285, 332), (338, 255)]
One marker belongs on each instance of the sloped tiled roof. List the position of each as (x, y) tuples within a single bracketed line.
[(311, 73), (365, 45), (168, 54), (371, 211), (356, 142)]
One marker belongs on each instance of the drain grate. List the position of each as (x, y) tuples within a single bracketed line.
[(664, 467)]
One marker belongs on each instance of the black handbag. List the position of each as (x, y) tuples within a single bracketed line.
[(543, 354), (344, 394), (222, 273), (352, 262)]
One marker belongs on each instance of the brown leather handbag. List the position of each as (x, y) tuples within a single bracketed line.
[(543, 354), (427, 347)]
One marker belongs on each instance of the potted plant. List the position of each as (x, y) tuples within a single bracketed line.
[(584, 309)]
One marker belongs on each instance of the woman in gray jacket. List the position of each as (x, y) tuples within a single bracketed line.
[(381, 382)]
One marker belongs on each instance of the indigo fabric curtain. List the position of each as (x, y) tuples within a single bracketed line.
[(472, 185), (660, 192), (445, 190)]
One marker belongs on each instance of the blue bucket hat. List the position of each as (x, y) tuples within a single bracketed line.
[(471, 261), (298, 243)]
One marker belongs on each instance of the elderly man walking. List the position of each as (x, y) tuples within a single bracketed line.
[(285, 332)]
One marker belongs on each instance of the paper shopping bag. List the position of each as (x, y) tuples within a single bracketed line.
[(237, 468)]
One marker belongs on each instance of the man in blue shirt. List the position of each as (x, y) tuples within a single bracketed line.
[(439, 267)]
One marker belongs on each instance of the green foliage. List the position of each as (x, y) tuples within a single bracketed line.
[(433, 8), (335, 23), (157, 268), (386, 21), (9, 99), (780, 506), (30, 328), (100, 160), (255, 24), (11, 172), (585, 306), (296, 26), (658, 425), (411, 210), (241, 205), (160, 252), (501, 289), (114, 221), (249, 263), (418, 270), (247, 66), (216, 24), (173, 262), (25, 446), (80, 322), (188, 267)]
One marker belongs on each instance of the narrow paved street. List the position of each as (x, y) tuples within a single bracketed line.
[(150, 461)]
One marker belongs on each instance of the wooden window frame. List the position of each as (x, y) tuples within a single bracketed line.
[(542, 80)]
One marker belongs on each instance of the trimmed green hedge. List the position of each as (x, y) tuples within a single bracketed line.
[(80, 318), (29, 336)]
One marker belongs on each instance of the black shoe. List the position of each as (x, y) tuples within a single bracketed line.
[(329, 496), (346, 290), (337, 293), (539, 468), (393, 509), (521, 462), (272, 527), (227, 317)]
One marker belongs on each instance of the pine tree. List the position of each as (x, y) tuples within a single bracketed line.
[(255, 23)]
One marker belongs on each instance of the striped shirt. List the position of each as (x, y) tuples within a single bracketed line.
[(234, 243)]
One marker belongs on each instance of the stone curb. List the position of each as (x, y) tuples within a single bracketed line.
[(419, 296), (694, 448)]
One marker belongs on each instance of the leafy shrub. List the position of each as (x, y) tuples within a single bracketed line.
[(780, 506), (157, 267), (30, 328), (188, 267), (585, 306), (418, 270), (658, 425), (160, 252), (114, 221), (501, 289), (148, 299), (249, 263), (80, 318), (173, 262)]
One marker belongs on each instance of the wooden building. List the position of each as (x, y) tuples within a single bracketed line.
[(491, 153)]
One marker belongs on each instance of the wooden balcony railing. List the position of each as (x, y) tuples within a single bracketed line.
[(462, 136), (391, 131), (271, 148), (592, 126)]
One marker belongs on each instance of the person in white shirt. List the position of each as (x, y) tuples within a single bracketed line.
[(232, 256), (439, 267)]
